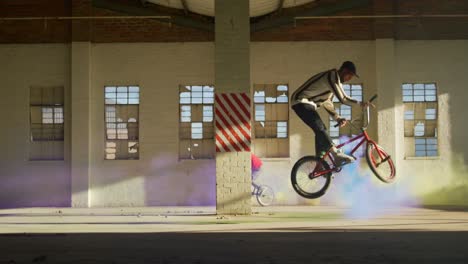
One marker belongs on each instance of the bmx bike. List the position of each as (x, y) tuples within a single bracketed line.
[(311, 175), (264, 194)]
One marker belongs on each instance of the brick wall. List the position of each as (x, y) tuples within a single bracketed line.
[(34, 31), (39, 31), (142, 30)]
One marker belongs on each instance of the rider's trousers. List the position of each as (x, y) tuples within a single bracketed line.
[(309, 115)]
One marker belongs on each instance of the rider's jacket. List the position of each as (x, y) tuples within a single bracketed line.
[(319, 91)]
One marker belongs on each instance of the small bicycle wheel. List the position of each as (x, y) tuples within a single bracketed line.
[(265, 195), (380, 163), (303, 184)]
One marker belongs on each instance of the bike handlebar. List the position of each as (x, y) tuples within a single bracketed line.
[(370, 101)]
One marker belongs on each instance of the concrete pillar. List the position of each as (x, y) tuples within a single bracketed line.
[(388, 92), (232, 75), (80, 130), (80, 103)]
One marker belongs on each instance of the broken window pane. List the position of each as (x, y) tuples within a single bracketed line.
[(283, 98), (259, 97), (282, 87), (419, 129), (132, 147)]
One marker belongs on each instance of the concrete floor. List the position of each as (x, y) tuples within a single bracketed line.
[(195, 235)]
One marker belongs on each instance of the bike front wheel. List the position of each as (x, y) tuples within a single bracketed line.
[(305, 185), (265, 195), (380, 163)]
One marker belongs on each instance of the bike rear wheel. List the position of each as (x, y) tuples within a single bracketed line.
[(380, 163), (301, 181), (265, 195)]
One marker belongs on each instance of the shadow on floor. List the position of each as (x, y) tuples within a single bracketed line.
[(450, 208), (291, 246)]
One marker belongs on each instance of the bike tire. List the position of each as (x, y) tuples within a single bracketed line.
[(265, 195), (294, 177), (388, 174)]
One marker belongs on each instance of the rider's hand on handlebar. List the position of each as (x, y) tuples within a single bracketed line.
[(341, 122)]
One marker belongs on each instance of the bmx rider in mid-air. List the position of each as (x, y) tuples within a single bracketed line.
[(318, 92)]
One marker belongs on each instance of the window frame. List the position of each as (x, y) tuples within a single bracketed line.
[(179, 119), (41, 106), (415, 121), (254, 105), (106, 140)]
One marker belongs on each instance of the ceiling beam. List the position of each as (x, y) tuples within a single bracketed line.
[(320, 10), (280, 6), (184, 4), (176, 19)]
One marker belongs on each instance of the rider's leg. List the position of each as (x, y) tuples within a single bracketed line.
[(323, 142), (309, 115)]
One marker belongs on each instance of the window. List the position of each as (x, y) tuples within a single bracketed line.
[(420, 117), (425, 147), (346, 111), (271, 120), (419, 92), (122, 122), (196, 122), (47, 123)]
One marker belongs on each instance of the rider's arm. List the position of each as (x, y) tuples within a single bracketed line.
[(338, 89), (330, 108)]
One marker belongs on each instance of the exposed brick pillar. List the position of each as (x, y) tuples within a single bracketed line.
[(232, 76)]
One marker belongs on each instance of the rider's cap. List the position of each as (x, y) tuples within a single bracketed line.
[(349, 65)]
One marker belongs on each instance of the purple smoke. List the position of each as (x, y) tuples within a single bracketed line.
[(363, 195)]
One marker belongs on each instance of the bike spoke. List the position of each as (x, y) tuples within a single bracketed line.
[(382, 163), (307, 184)]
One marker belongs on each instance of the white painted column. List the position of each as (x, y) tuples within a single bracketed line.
[(232, 75), (388, 91), (80, 130)]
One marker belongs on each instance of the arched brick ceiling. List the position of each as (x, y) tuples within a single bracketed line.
[(206, 7)]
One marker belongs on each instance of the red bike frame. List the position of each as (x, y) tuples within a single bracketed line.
[(319, 171)]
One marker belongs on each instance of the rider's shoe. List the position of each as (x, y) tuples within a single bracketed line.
[(341, 158)]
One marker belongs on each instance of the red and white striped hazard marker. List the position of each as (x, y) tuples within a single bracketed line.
[(232, 121)]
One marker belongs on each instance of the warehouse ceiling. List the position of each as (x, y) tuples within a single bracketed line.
[(266, 14), (206, 7)]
